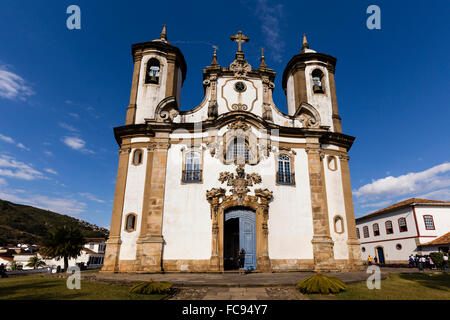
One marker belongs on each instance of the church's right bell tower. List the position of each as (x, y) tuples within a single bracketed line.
[(309, 79)]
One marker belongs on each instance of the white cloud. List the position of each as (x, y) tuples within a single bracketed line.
[(376, 204), (76, 144), (3, 182), (67, 127), (270, 15), (74, 115), (12, 86), (11, 141), (51, 171), (91, 197), (59, 205), (10, 167), (434, 180), (48, 153)]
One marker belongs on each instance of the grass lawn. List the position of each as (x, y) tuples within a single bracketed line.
[(399, 286), (46, 288)]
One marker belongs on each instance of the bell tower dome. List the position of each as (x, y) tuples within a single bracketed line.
[(309, 78), (158, 75)]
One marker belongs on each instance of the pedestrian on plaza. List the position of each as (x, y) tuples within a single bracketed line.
[(369, 260), (431, 263), (376, 260), (411, 261), (242, 261), (421, 263)]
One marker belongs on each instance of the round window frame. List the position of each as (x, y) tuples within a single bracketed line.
[(236, 89)]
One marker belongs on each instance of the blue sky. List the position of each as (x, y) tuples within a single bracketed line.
[(62, 91)]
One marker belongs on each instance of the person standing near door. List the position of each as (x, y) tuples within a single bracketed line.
[(241, 260)]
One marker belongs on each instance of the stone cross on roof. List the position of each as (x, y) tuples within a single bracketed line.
[(240, 38)]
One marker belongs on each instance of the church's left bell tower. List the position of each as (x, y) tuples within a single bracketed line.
[(135, 241), (158, 75)]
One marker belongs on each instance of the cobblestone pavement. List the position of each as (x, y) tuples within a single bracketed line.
[(231, 279), (236, 293)]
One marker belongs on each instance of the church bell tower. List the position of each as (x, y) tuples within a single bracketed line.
[(309, 79), (158, 75)]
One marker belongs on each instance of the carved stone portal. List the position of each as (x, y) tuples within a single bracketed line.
[(239, 196)]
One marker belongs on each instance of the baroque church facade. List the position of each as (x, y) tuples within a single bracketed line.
[(194, 187)]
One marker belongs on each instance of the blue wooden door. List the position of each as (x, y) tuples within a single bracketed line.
[(380, 255), (247, 234)]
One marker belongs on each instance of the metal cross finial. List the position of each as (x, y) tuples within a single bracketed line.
[(240, 38)]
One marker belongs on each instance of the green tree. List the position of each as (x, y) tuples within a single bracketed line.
[(35, 262), (64, 242), (14, 266)]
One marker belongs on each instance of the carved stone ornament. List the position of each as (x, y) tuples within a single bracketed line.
[(166, 110), (308, 121), (213, 146), (212, 109), (239, 183), (239, 107), (267, 112), (239, 124), (240, 68)]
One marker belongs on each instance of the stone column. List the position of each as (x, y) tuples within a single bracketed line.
[(213, 196), (111, 262), (322, 242), (336, 118), (172, 76), (150, 242), (131, 110), (262, 234), (354, 250)]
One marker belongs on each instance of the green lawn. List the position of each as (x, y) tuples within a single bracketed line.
[(399, 286), (46, 288)]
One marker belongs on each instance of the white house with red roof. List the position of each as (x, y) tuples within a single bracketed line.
[(414, 226)]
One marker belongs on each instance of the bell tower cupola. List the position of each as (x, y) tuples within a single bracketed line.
[(158, 75), (309, 79)]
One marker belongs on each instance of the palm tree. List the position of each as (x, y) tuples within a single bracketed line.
[(14, 266), (64, 242), (35, 262)]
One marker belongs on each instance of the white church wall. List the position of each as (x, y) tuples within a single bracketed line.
[(290, 216), (133, 200), (186, 219), (290, 93), (227, 95), (336, 207), (149, 95)]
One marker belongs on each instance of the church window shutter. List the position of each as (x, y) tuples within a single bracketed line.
[(284, 174), (192, 170), (429, 223), (238, 151)]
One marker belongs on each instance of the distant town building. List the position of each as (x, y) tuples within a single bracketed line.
[(91, 256), (414, 226)]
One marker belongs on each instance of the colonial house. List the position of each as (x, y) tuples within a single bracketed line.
[(195, 186), (414, 226), (92, 256)]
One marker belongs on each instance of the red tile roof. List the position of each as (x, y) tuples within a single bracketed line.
[(88, 250), (403, 204), (445, 239), (10, 259)]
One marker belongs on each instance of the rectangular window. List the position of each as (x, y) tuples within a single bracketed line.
[(389, 228), (376, 230), (366, 232), (357, 233), (402, 225), (429, 223)]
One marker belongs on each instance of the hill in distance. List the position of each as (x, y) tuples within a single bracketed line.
[(25, 224)]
